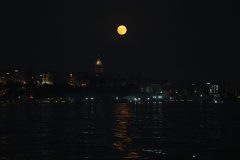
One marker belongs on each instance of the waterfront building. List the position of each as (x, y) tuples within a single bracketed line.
[(46, 79), (72, 80)]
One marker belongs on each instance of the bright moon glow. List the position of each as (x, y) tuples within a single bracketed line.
[(122, 29)]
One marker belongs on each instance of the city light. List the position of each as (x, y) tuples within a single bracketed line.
[(119, 80), (160, 97)]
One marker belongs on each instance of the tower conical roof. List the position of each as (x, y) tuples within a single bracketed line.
[(99, 62)]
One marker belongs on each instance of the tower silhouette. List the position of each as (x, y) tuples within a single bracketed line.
[(98, 67)]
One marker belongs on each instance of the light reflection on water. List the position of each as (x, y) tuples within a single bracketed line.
[(112, 131), (123, 138)]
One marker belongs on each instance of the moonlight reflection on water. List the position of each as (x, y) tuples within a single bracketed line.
[(115, 131)]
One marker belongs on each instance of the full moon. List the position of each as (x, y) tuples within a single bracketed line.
[(122, 29)]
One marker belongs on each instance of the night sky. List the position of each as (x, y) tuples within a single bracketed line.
[(167, 39)]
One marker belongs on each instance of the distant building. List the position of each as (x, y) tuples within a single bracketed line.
[(152, 88), (46, 78), (84, 83), (72, 80), (213, 89), (98, 67), (12, 76)]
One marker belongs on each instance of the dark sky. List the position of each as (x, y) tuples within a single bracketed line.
[(170, 39)]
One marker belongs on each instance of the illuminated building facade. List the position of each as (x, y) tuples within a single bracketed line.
[(84, 83), (213, 89), (72, 80), (98, 67), (46, 78), (15, 76)]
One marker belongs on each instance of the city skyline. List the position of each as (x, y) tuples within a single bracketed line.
[(129, 79), (163, 39)]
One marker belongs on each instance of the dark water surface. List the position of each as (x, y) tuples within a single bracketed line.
[(119, 131)]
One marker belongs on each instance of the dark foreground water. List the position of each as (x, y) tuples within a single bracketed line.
[(119, 131)]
